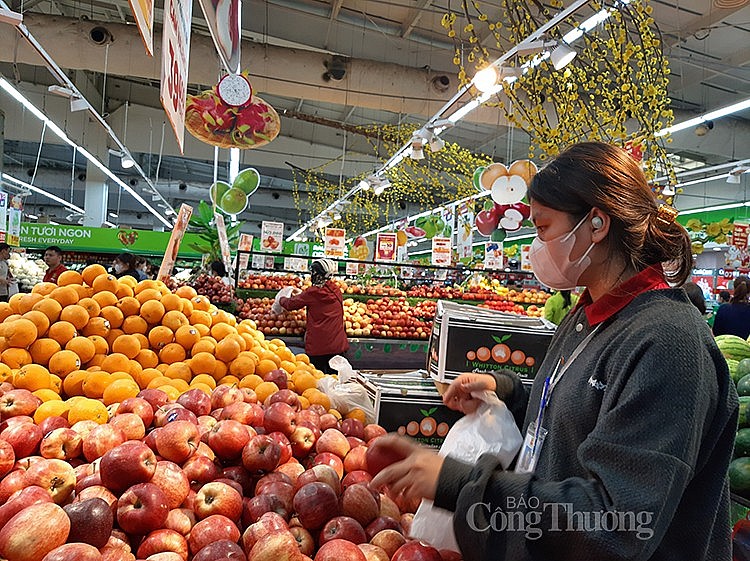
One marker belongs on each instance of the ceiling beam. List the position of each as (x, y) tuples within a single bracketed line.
[(409, 25), (714, 16)]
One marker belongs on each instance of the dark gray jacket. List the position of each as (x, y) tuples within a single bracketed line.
[(641, 430)]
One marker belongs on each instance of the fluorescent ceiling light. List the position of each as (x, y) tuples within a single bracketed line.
[(113, 215), (30, 187), (710, 116)]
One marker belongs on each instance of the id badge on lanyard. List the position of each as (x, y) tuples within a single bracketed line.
[(536, 433)]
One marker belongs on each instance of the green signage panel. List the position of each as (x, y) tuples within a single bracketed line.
[(102, 240)]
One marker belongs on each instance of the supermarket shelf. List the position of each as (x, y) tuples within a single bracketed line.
[(379, 354)]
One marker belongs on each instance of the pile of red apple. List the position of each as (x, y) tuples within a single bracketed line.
[(259, 310), (207, 478), (218, 291), (269, 282), (396, 319)]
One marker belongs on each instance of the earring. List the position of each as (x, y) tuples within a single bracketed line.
[(597, 222)]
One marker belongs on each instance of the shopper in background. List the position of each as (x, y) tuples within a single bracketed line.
[(724, 297), (734, 318), (325, 336), (639, 414), (53, 259), (558, 305), (219, 270), (141, 267), (695, 295), (5, 277), (124, 265)]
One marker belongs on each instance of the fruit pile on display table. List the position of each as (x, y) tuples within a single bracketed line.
[(142, 423)]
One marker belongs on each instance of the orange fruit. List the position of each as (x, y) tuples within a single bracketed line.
[(144, 284), (97, 326), (135, 367), (227, 349), (96, 362), (304, 403), (123, 290), (264, 367), (304, 381), (75, 314), (83, 291), (16, 358), (100, 344), (239, 339), (205, 345), (105, 282), (105, 298), (303, 357), (174, 320), (220, 316), (15, 302), (358, 414), (91, 272), (50, 408), (88, 410), (152, 311), (204, 330), (115, 362), (42, 349), (40, 320), (69, 277), (186, 336), (73, 382), (203, 363), (63, 363), (159, 381), (179, 371), (171, 302), (206, 379), (142, 339), (62, 332), (55, 384), (147, 358), (229, 380), (161, 367), (113, 315), (119, 390), (201, 303), (148, 294), (187, 307), (31, 377), (27, 302), (91, 306), (134, 324), (172, 353), (172, 392), (129, 306), (145, 377), (200, 317), (43, 288), (186, 292), (5, 311), (65, 295), (127, 345), (19, 333), (160, 336), (95, 383), (129, 281), (250, 381), (242, 366), (112, 335), (83, 347), (265, 389), (318, 397), (205, 388), (221, 330)]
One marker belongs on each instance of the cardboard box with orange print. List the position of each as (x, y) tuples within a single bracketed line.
[(470, 339)]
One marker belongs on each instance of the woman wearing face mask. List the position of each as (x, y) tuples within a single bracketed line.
[(630, 423), (124, 265)]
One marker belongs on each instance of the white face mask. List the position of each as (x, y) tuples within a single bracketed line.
[(551, 262), (119, 268)]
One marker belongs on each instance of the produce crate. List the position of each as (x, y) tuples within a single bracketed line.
[(409, 403), (470, 339)]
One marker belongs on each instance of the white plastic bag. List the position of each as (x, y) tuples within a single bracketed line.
[(285, 292), (345, 393), (491, 429)]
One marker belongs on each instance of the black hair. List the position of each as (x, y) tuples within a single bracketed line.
[(724, 296), (54, 248), (741, 288), (695, 294), (127, 258), (566, 297), (219, 268), (4, 246)]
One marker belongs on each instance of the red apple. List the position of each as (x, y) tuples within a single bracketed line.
[(388, 507), (220, 550), (115, 554), (284, 444), (284, 396), (355, 442), (91, 521), (21, 499), (140, 407), (382, 523), (353, 427), (34, 532), (339, 550), (165, 556), (269, 478), (269, 523), (241, 476), (277, 546), (317, 408), (177, 441), (280, 417), (313, 427), (173, 482), (223, 395), (129, 463), (315, 503), (84, 427), (95, 479), (130, 424), (328, 421), (180, 520), (23, 437), (232, 483), (7, 458), (206, 423), (142, 509), (356, 459), (61, 443), (354, 477), (172, 412), (97, 492), (305, 541), (405, 521), (163, 540), (244, 413), (416, 551), (197, 401), (292, 470), (26, 463), (201, 469), (373, 431), (373, 552), (344, 528), (361, 503), (281, 490), (218, 498), (278, 377), (53, 422), (389, 539), (308, 415), (17, 420), (323, 473), (227, 439), (333, 441), (156, 398), (74, 552), (302, 441), (249, 396), (261, 453), (18, 402), (56, 476), (379, 456), (331, 460), (100, 440), (254, 508), (214, 528)]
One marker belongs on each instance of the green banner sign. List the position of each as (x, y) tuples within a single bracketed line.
[(101, 240)]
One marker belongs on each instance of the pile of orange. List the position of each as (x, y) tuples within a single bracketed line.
[(97, 340)]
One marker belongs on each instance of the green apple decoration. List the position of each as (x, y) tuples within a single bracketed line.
[(247, 181), (233, 201), (217, 191)]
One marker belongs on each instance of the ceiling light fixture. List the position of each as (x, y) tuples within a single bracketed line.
[(363, 185), (18, 183), (562, 55), (710, 116), (417, 147)]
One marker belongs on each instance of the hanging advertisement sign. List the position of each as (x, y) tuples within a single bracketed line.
[(493, 255), (143, 13), (525, 261), (354, 268), (15, 212), (385, 246), (465, 230), (740, 233), (175, 57), (3, 212), (334, 242), (245, 244), (223, 18), (271, 236), (449, 219), (441, 252), (173, 246), (221, 229), (295, 264), (263, 262)]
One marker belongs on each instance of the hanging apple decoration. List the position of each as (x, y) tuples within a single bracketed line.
[(507, 187)]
